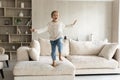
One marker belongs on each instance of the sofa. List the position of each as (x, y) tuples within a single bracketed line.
[(94, 57), (33, 63), (79, 57)]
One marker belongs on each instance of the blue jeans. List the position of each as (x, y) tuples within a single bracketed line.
[(55, 43)]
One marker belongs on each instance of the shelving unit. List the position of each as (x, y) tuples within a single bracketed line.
[(14, 27), (87, 0)]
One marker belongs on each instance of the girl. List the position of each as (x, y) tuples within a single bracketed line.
[(55, 29)]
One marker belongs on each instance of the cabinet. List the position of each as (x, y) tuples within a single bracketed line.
[(15, 24)]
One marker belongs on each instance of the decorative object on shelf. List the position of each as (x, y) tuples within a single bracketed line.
[(6, 22), (26, 32), (7, 32), (22, 4), (18, 31), (13, 47), (91, 37), (18, 21), (29, 22), (0, 3), (105, 40), (21, 14)]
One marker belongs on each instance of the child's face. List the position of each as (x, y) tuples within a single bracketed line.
[(55, 16)]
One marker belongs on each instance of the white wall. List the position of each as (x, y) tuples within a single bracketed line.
[(93, 17)]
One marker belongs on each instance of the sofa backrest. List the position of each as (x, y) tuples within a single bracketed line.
[(45, 49), (86, 47), (71, 47)]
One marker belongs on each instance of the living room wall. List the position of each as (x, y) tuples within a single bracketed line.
[(93, 17)]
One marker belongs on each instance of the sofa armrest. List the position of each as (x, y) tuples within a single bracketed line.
[(22, 53), (117, 56)]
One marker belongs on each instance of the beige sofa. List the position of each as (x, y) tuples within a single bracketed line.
[(40, 67), (96, 57)]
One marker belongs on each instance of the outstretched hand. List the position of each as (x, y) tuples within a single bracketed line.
[(74, 22), (32, 30)]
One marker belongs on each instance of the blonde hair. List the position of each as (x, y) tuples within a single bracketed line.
[(55, 11)]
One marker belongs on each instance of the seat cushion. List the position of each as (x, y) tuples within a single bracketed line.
[(43, 67), (81, 62), (1, 65), (3, 57)]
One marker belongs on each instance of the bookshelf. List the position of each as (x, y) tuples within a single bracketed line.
[(15, 24)]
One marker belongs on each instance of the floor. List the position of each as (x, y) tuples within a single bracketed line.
[(9, 76)]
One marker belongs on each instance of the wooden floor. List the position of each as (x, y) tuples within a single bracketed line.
[(9, 75)]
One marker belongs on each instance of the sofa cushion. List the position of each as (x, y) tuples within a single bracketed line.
[(46, 47), (86, 47), (84, 62), (35, 44), (117, 56), (43, 67), (108, 51), (66, 49), (34, 54), (22, 53)]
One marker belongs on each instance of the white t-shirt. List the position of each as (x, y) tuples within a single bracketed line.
[(55, 29)]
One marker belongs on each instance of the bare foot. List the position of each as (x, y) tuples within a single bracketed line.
[(54, 64), (60, 59)]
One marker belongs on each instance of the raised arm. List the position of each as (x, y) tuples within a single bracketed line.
[(71, 25), (39, 31)]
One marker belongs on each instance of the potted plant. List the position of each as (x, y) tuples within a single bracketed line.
[(18, 21)]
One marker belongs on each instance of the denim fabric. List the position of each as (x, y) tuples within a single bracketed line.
[(55, 43)]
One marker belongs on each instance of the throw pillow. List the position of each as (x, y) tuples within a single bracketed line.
[(85, 47), (45, 47), (108, 51), (35, 44), (33, 54)]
